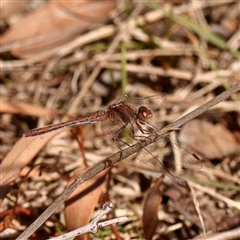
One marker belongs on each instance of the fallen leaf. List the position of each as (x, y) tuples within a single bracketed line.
[(53, 25), (150, 211), (20, 155), (81, 204), (24, 108), (212, 141), (9, 7)]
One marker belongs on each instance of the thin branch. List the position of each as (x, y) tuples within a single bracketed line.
[(231, 234), (231, 203), (110, 161), (94, 225)]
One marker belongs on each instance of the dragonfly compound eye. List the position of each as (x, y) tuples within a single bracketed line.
[(144, 114)]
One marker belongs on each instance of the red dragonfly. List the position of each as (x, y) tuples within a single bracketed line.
[(129, 115)]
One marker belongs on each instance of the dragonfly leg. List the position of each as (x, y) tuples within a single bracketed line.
[(151, 131)]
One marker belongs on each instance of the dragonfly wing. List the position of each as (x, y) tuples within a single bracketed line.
[(123, 98), (161, 155), (152, 160), (111, 126), (152, 102), (188, 160)]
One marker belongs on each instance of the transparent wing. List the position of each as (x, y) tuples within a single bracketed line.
[(153, 161), (152, 102), (161, 156), (111, 126), (122, 98)]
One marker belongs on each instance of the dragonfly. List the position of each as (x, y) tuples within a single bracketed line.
[(128, 116)]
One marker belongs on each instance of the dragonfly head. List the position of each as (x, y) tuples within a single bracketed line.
[(144, 114)]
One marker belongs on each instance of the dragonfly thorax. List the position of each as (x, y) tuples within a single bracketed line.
[(122, 111)]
